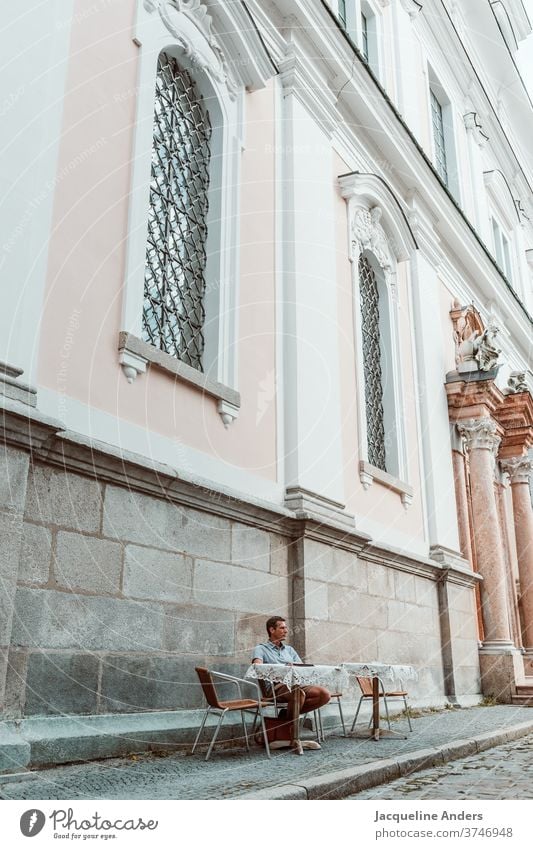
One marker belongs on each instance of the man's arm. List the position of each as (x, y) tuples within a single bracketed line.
[(295, 656), (258, 656)]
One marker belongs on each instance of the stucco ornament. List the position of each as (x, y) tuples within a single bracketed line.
[(476, 346), (487, 350), (368, 234), (195, 11), (517, 382)]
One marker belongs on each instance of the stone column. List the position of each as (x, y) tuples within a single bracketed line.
[(482, 441), (519, 470), (500, 662), (505, 505), (462, 505)]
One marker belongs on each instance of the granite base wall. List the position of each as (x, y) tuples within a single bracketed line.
[(120, 594)]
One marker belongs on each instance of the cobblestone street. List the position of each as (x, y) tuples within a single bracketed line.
[(233, 773), (505, 772)]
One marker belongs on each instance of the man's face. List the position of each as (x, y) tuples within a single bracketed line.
[(279, 632)]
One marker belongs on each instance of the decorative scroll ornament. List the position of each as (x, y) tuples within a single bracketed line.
[(368, 234), (522, 214), (475, 126), (412, 8), (197, 13), (476, 347), (518, 468), (479, 433), (517, 383)]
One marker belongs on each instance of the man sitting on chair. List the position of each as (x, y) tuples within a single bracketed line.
[(274, 651)]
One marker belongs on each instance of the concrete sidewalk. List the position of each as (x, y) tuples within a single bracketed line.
[(342, 767)]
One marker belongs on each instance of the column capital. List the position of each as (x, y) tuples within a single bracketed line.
[(479, 433), (518, 468)]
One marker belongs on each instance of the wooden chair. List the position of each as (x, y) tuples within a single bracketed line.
[(221, 707), (365, 685)]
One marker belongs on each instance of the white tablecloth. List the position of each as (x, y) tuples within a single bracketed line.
[(395, 673), (334, 678)]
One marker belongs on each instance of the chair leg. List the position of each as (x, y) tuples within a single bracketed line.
[(265, 735), (342, 717), (322, 735), (408, 713), (244, 730), (317, 719), (206, 714), (356, 714), (387, 711), (215, 735)]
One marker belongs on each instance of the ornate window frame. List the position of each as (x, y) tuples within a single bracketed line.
[(223, 67), (379, 230), (437, 90), (505, 219)]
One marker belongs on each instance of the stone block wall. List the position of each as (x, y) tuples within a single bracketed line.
[(115, 592), (121, 594), (358, 609), (465, 639), (13, 477)]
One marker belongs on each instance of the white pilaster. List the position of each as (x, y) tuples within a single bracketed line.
[(313, 442), (477, 139), (430, 345)]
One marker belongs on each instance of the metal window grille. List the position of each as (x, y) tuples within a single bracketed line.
[(342, 12), (364, 35), (174, 282), (375, 425), (438, 135)]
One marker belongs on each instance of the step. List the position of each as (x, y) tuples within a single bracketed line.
[(524, 690), (14, 750), (522, 700)]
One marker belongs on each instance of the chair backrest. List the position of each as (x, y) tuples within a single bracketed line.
[(208, 686), (366, 685)]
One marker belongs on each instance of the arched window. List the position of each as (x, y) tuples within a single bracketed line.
[(174, 282), (380, 238), (372, 356), (181, 288)]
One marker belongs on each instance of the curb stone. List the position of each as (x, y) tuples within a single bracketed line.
[(347, 782)]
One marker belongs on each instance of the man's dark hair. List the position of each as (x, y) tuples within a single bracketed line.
[(272, 622)]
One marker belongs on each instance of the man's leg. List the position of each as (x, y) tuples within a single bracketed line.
[(315, 697), (283, 697)]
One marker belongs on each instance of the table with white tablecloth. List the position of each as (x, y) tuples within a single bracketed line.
[(337, 679), (295, 677), (395, 673)]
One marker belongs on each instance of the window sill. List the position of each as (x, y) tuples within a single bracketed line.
[(368, 474), (135, 355)]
